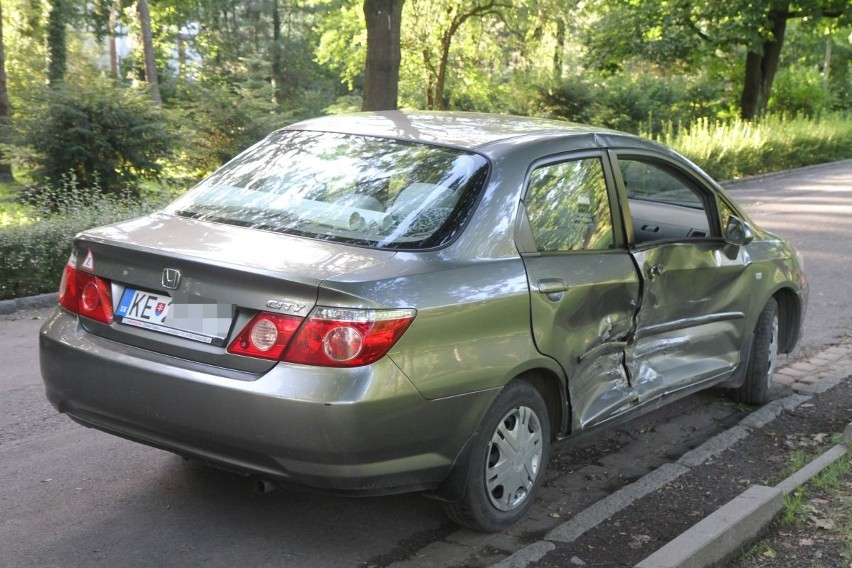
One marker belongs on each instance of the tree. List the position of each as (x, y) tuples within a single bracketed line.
[(148, 47), (381, 71), (56, 47), (691, 34), (5, 108), (443, 20)]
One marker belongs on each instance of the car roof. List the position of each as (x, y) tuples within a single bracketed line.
[(472, 131)]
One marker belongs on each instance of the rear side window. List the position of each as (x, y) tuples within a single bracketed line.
[(354, 189), (568, 207)]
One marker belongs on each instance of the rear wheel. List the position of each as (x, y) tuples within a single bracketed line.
[(762, 359), (507, 462)]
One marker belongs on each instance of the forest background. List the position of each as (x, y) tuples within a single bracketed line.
[(110, 107)]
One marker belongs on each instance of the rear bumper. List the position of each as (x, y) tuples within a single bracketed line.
[(363, 431)]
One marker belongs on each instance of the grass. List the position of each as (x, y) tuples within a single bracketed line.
[(814, 516), (737, 148)]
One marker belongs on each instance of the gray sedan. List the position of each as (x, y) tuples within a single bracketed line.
[(390, 302)]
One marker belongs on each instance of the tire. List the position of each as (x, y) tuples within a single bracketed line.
[(762, 358), (507, 462)]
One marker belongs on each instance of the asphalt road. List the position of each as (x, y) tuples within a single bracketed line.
[(76, 497)]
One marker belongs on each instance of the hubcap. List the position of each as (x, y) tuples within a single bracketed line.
[(773, 350), (513, 458)]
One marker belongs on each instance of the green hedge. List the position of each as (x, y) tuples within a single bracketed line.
[(34, 249)]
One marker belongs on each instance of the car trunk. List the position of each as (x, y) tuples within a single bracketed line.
[(186, 288)]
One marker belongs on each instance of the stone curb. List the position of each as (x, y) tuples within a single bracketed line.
[(731, 528), (8, 307)]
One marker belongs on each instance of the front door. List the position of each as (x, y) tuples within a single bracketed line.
[(689, 327)]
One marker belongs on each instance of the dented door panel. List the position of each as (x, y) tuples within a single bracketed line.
[(585, 326), (691, 321)]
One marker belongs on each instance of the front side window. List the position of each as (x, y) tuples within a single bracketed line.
[(663, 205), (354, 189), (568, 207)]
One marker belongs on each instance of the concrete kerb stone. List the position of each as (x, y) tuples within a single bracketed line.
[(8, 307), (592, 516), (713, 539), (722, 534), (526, 555)]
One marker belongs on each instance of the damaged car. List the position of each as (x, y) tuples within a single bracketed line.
[(390, 302)]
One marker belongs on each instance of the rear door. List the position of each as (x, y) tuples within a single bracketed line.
[(689, 326), (584, 287)]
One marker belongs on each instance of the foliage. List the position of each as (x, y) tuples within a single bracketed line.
[(109, 137), (631, 102), (732, 149), (217, 122), (33, 253), (800, 90)]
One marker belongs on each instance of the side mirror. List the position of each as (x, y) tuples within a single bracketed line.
[(738, 233)]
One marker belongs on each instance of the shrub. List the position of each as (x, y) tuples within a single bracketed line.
[(631, 102), (32, 254), (800, 90), (109, 137), (217, 122)]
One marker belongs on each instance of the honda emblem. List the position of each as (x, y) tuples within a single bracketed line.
[(171, 278)]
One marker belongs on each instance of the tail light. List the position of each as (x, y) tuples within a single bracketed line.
[(266, 336), (85, 294), (328, 337)]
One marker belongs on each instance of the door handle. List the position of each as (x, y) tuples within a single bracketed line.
[(550, 286)]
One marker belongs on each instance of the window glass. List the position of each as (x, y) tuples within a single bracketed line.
[(568, 207), (356, 189), (663, 205)]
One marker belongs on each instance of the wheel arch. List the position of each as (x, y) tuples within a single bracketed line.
[(552, 389), (790, 317)]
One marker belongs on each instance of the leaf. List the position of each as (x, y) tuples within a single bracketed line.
[(825, 524), (769, 553)]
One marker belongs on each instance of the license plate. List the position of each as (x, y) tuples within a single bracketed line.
[(148, 310)]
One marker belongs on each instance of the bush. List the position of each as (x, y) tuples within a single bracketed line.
[(32, 254), (109, 137), (799, 90), (631, 102), (217, 122)]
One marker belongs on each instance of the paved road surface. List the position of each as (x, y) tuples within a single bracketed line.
[(76, 497)]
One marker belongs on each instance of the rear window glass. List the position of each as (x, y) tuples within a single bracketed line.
[(355, 189)]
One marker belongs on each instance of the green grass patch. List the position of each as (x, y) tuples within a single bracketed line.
[(733, 149)]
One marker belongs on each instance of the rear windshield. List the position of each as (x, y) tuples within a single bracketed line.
[(355, 189)]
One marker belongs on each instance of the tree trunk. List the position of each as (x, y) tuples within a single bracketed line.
[(5, 108), (381, 74), (826, 60), (148, 47), (277, 59), (761, 68), (56, 49), (113, 51), (559, 49)]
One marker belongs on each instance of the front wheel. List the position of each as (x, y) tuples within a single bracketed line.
[(507, 462), (762, 359)]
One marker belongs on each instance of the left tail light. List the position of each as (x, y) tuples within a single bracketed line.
[(328, 337), (85, 294)]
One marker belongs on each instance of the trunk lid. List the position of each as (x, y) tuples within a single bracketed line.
[(185, 288)]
